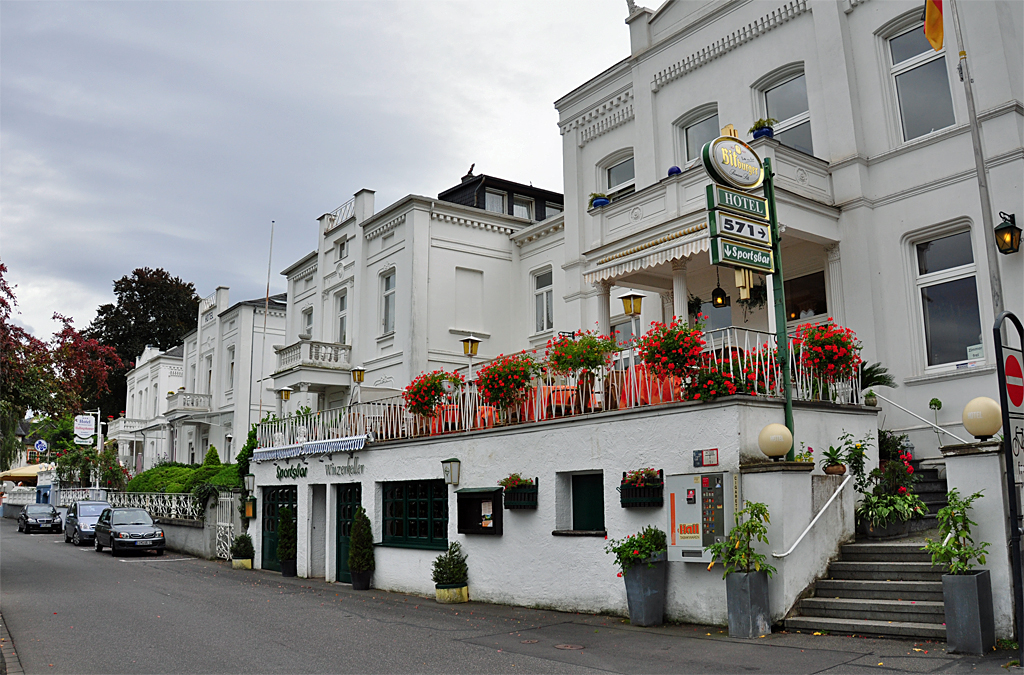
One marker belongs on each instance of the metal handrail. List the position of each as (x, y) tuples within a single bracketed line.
[(811, 524), (910, 412)]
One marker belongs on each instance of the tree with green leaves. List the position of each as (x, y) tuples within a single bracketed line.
[(152, 308), (360, 545)]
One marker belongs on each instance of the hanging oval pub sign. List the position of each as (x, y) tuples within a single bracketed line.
[(731, 161)]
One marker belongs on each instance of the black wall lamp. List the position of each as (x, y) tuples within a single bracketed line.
[(1007, 234)]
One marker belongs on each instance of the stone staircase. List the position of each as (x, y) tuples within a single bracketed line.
[(877, 589), (883, 588)]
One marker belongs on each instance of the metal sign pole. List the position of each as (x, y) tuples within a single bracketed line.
[(1011, 482), (778, 290)]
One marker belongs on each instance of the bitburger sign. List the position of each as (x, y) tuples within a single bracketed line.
[(731, 161)]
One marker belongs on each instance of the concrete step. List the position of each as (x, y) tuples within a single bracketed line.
[(884, 552), (913, 611), (882, 590), (931, 486), (885, 571), (865, 627), (926, 522)]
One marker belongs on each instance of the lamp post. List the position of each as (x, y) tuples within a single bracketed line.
[(982, 418), (358, 375), (631, 303), (470, 344), (283, 394)]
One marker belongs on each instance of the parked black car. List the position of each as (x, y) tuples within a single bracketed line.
[(125, 528), (80, 521), (42, 517)]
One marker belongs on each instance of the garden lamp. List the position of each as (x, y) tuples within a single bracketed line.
[(470, 343), (631, 303), (982, 418), (451, 470), (775, 440), (1007, 234)]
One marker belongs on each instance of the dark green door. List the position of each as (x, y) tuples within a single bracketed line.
[(349, 499), (588, 502), (275, 499)]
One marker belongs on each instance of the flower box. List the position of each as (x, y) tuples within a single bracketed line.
[(523, 497), (651, 493)]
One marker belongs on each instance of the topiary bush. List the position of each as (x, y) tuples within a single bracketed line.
[(287, 537), (242, 549), (360, 545), (212, 457), (450, 567)]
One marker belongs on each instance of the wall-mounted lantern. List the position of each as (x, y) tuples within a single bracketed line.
[(1007, 234), (631, 303), (285, 393), (358, 374), (451, 469)]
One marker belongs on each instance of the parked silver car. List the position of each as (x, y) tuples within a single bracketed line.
[(80, 521), (123, 529)]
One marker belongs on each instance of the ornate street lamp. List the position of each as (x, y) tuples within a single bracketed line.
[(718, 296), (470, 344), (1007, 234)]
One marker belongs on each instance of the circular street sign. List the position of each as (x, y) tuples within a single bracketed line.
[(731, 161), (41, 445), (1014, 381)]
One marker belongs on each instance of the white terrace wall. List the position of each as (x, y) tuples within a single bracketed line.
[(528, 566)]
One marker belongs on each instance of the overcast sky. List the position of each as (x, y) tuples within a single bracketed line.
[(170, 134)]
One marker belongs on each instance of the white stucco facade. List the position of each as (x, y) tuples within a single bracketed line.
[(142, 432)]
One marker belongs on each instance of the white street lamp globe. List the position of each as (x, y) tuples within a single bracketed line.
[(982, 418), (775, 440)]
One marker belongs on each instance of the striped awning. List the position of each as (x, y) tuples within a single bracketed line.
[(307, 449), (677, 249)]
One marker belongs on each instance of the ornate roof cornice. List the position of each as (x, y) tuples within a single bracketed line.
[(385, 228), (469, 222), (723, 46), (598, 121)]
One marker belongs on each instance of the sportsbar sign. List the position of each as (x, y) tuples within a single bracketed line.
[(731, 254)]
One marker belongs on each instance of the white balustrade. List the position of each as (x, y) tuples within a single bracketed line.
[(185, 400), (20, 496), (314, 354), (180, 505)]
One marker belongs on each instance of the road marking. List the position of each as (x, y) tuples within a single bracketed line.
[(160, 559)]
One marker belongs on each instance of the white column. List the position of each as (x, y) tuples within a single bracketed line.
[(679, 294), (331, 539), (604, 308), (667, 306), (835, 285)]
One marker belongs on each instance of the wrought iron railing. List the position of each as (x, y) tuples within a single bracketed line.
[(68, 496), (341, 214), (625, 383), (177, 505)]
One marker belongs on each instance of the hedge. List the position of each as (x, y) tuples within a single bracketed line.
[(167, 478)]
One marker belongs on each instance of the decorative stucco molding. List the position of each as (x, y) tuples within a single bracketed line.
[(540, 233), (598, 121), (306, 273), (386, 227), (722, 46), (468, 222)]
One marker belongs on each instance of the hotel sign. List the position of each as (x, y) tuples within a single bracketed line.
[(731, 161), (721, 223), (739, 203), (732, 254)]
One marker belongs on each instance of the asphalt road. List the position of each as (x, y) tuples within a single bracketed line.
[(73, 610)]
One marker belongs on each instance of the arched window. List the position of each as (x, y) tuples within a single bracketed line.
[(694, 129)]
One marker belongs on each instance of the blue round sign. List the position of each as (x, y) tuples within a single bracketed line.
[(41, 445)]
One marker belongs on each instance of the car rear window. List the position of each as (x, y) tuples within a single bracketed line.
[(91, 509), (131, 517)]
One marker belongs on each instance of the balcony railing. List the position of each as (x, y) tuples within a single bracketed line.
[(160, 504), (625, 384), (120, 425), (311, 353), (189, 402)]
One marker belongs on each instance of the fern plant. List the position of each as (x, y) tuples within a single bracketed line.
[(876, 375), (956, 551)]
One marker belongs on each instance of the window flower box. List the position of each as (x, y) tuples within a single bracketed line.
[(643, 488), (520, 493)]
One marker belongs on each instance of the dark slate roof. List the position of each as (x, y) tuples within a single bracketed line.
[(178, 350)]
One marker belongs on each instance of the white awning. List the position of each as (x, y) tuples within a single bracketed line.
[(307, 449), (677, 249)]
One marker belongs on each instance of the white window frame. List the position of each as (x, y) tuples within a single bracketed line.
[(545, 295), (549, 206), (795, 120), (306, 321), (528, 202), (231, 369), (604, 168), (935, 278), (908, 65), (341, 249), (687, 120), (341, 321), (387, 299), (502, 196)]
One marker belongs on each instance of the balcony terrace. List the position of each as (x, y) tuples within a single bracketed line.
[(627, 383), (188, 402)]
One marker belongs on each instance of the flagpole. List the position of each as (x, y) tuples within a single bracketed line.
[(994, 279), (266, 311)]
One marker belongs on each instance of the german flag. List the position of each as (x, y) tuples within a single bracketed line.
[(933, 23)]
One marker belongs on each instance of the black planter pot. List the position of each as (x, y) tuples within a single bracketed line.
[(645, 591), (521, 497), (652, 495), (361, 580), (287, 568), (895, 530), (970, 624), (747, 599)]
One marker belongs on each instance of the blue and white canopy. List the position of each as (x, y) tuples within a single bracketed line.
[(309, 449)]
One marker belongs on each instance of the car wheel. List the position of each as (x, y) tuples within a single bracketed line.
[(159, 551), (77, 538), (113, 551), (21, 528), (99, 546), (66, 537)]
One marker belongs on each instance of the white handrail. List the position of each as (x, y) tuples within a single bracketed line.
[(935, 426), (811, 524)]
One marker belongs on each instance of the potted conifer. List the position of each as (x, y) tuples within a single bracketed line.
[(242, 552), (451, 575), (966, 592), (746, 572), (287, 542), (360, 551)]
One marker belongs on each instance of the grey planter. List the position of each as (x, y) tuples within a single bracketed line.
[(970, 626), (645, 591), (747, 599)]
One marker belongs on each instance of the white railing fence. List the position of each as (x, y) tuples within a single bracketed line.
[(159, 504)]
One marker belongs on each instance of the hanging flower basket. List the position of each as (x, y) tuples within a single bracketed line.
[(520, 493), (503, 382), (642, 488), (830, 352), (427, 391)]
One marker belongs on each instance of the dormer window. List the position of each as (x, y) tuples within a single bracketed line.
[(494, 202), (522, 208)]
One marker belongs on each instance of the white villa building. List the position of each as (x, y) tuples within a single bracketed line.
[(882, 230)]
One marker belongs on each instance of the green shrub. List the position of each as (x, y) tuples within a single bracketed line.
[(212, 457), (203, 493), (200, 475), (360, 545), (242, 549), (287, 538), (227, 477), (636, 548), (955, 549), (159, 478), (173, 488), (450, 567), (736, 552)]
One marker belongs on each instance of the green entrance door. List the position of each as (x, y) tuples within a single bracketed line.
[(275, 499), (349, 499)]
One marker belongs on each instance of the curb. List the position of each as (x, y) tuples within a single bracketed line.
[(10, 664)]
